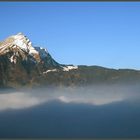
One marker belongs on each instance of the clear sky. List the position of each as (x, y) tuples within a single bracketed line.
[(91, 33)]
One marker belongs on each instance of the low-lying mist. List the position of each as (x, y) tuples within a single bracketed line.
[(103, 111), (93, 95)]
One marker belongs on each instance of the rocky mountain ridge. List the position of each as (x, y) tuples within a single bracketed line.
[(22, 62), (23, 65)]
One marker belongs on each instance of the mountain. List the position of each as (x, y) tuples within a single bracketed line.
[(21, 63), (25, 65)]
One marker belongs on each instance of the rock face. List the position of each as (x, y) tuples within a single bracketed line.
[(19, 46), (21, 63)]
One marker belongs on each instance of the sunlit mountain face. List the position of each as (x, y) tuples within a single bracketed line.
[(41, 98), (23, 65)]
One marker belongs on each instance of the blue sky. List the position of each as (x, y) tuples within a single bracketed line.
[(91, 33)]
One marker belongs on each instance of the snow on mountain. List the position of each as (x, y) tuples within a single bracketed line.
[(21, 46), (68, 68), (52, 70), (43, 52), (25, 44)]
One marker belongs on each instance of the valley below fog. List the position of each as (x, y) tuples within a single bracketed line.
[(71, 112)]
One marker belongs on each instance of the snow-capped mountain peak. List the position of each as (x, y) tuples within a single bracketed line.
[(20, 47), (22, 41), (21, 44), (26, 45)]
